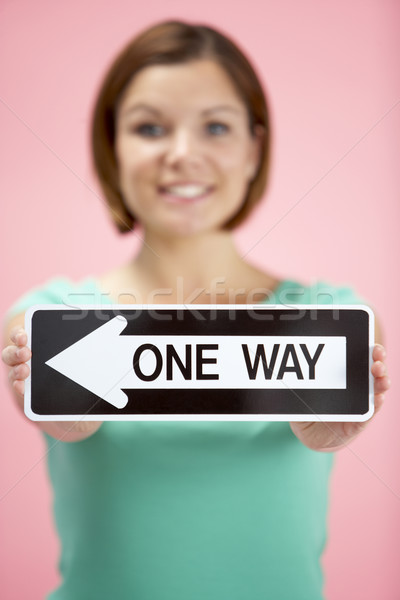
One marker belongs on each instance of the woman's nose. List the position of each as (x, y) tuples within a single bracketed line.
[(182, 146)]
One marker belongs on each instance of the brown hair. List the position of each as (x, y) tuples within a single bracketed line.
[(173, 42)]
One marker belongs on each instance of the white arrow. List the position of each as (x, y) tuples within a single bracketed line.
[(96, 362)]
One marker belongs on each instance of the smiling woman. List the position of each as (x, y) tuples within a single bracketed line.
[(212, 80), (186, 510)]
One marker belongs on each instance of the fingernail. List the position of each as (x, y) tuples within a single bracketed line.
[(18, 353)]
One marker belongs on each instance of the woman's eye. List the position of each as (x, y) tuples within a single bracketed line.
[(217, 128), (149, 130)]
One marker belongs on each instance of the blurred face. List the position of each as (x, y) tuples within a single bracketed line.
[(183, 147)]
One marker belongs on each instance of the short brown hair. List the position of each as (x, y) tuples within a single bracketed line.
[(174, 42)]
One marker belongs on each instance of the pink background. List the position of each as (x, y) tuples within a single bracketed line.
[(332, 212)]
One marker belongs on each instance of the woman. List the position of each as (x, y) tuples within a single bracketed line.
[(186, 510)]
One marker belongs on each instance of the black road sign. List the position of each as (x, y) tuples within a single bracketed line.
[(200, 362)]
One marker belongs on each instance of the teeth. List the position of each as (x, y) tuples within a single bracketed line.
[(187, 191)]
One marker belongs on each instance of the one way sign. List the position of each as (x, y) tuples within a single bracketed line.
[(200, 362)]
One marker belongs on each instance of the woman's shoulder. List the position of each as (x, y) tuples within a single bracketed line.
[(320, 291), (56, 290)]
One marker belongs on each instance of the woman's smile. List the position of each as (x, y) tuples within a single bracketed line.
[(185, 193)]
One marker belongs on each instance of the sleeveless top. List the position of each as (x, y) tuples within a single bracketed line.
[(188, 510)]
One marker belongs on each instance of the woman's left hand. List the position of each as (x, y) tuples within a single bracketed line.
[(327, 437)]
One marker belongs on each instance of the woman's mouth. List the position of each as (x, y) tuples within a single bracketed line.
[(185, 192)]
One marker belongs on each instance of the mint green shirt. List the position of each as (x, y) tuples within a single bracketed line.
[(189, 510)]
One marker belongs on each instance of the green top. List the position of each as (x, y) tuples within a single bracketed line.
[(189, 510)]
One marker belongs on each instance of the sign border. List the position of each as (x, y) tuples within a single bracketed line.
[(203, 417)]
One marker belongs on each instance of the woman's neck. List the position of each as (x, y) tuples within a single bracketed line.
[(204, 269), (197, 260)]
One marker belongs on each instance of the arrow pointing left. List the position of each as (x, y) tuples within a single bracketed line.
[(95, 363)]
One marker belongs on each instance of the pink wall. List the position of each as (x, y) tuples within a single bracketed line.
[(332, 70)]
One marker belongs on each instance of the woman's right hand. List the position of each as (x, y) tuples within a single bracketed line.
[(15, 356)]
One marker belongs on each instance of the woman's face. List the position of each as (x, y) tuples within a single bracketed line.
[(183, 147)]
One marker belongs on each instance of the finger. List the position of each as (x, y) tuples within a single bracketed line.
[(19, 372), (379, 352), (18, 336), (378, 369), (13, 355), (378, 402), (8, 356), (19, 387), (381, 385)]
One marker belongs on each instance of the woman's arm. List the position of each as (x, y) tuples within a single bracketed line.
[(15, 355), (328, 437)]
